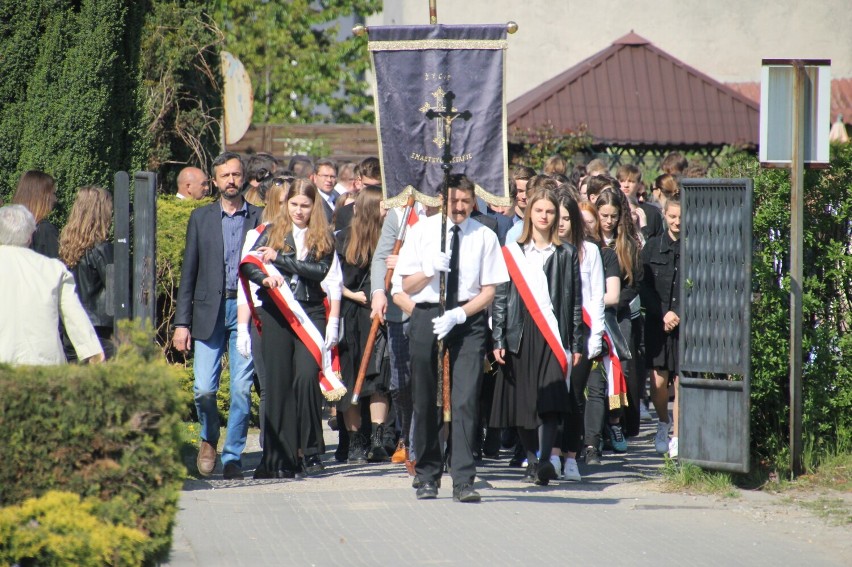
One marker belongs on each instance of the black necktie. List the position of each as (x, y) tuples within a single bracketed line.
[(453, 276)]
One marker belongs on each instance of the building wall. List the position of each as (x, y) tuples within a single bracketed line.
[(724, 38)]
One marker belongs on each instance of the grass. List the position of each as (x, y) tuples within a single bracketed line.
[(686, 476)]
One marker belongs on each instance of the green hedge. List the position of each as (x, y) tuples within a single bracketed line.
[(109, 432), (827, 341)]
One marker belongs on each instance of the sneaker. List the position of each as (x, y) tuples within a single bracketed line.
[(661, 440), (616, 437), (644, 414), (572, 472), (673, 448), (529, 474), (557, 465), (593, 457)]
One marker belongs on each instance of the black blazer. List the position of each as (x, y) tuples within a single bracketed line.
[(202, 282), (563, 277)]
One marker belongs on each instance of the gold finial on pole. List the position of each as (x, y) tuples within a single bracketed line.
[(359, 30), (512, 27), (433, 12)]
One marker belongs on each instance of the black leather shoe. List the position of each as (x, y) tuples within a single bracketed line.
[(416, 483), (232, 471), (313, 464), (265, 474), (357, 450), (465, 493), (427, 491), (545, 473)]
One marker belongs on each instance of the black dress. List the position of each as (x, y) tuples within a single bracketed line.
[(356, 324), (532, 382), (661, 294)]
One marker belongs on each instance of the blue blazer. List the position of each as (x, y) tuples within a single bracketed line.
[(202, 282)]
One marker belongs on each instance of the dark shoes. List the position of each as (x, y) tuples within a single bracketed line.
[(377, 453), (416, 483), (232, 471), (264, 473), (206, 460), (313, 464), (332, 423), (427, 490), (545, 473), (357, 449), (465, 493), (592, 456)]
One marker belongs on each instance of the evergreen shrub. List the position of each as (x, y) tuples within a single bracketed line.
[(109, 432)]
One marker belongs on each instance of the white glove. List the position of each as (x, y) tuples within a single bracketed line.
[(243, 340), (594, 347), (332, 332), (440, 263), (442, 325)]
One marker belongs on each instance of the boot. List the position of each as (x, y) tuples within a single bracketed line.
[(357, 448), (376, 453)]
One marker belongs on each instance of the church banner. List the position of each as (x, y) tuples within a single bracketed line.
[(437, 83)]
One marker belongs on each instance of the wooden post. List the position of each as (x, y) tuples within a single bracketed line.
[(145, 247), (121, 257), (796, 273)]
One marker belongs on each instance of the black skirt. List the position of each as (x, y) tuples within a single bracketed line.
[(531, 383), (661, 347), (356, 329)]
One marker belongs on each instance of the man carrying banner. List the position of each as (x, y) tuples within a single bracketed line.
[(474, 266)]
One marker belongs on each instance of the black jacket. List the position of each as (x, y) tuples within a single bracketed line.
[(93, 275), (563, 276), (660, 286), (311, 270)]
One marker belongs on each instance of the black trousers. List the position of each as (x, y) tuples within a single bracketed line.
[(293, 402), (466, 346), (591, 409)]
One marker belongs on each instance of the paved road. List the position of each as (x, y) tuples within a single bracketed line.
[(368, 515)]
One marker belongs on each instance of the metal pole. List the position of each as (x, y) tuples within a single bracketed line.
[(433, 12), (796, 244), (123, 308)]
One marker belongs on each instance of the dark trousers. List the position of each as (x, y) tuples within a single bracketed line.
[(293, 402), (591, 406), (259, 374), (466, 346)]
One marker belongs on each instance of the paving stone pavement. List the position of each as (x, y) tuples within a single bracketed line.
[(368, 515)]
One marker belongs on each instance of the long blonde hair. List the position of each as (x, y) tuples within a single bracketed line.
[(88, 224), (318, 237), (548, 190)]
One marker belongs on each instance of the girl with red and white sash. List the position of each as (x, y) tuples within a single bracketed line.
[(537, 331), (289, 261)]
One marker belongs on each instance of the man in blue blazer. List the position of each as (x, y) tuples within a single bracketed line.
[(206, 316)]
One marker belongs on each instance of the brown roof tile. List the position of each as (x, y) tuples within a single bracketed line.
[(633, 93)]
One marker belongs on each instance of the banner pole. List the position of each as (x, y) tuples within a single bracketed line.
[(433, 12)]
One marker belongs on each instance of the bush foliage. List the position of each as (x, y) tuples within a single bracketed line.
[(60, 529), (109, 432), (827, 341)]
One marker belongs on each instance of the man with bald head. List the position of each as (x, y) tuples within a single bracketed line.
[(192, 184)]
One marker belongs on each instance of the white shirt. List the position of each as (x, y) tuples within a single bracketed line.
[(538, 256), (594, 287), (480, 259)]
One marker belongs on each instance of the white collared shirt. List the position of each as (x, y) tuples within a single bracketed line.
[(480, 259), (537, 257)]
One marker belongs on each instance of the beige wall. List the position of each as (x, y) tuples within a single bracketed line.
[(725, 39)]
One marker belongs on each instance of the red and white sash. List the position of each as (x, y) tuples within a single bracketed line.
[(331, 386), (533, 289), (615, 381)]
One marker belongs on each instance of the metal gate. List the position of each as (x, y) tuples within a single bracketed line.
[(715, 333)]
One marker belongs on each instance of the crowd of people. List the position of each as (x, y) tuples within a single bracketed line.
[(557, 310)]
